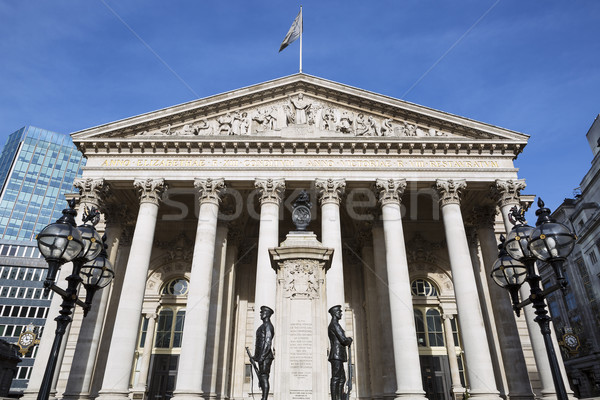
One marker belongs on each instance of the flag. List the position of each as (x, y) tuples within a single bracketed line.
[(294, 32)]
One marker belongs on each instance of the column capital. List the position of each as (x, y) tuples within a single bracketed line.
[(93, 192), (210, 190), (270, 190), (507, 192), (150, 190), (330, 190), (450, 190), (390, 190)]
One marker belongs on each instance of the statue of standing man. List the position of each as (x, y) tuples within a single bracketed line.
[(263, 352), (337, 353), (301, 106)]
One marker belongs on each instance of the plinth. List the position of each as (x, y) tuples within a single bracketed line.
[(301, 370)]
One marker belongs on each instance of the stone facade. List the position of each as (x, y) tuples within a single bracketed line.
[(201, 192)]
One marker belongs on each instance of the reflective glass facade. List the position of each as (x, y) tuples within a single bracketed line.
[(37, 168)]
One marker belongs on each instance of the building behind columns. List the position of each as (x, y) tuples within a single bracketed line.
[(410, 199), (576, 316)]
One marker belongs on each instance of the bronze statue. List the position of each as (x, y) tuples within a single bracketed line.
[(263, 352), (337, 353)]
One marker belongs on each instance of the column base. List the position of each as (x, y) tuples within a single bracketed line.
[(183, 395), (529, 396), (480, 395), (76, 396), (420, 395), (110, 395)]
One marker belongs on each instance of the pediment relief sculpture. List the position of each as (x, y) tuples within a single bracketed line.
[(297, 115)]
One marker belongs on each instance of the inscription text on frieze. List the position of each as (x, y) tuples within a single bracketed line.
[(299, 162)]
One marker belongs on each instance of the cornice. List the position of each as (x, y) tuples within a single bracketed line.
[(274, 145)]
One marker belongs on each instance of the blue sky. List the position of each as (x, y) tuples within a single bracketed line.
[(530, 66)]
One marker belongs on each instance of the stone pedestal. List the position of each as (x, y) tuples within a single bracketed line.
[(300, 370)]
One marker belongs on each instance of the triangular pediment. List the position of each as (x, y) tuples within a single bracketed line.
[(298, 106)]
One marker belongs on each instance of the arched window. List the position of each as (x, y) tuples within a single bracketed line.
[(168, 330), (422, 287), (434, 328), (428, 326)]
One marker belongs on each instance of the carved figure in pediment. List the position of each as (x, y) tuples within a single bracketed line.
[(361, 125), (373, 127), (290, 117), (245, 124), (386, 128), (328, 117), (185, 130), (302, 108), (271, 116), (236, 123), (407, 129), (225, 124), (204, 128), (346, 120), (261, 120)]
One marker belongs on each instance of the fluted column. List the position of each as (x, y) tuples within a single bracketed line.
[(142, 382), (457, 387), (514, 365), (386, 348), (404, 337), (191, 361), (330, 193), (93, 193), (271, 192), (507, 193), (477, 352), (115, 384)]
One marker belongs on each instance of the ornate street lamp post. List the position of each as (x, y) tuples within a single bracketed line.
[(549, 241), (62, 242)]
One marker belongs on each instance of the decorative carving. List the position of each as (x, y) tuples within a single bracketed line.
[(210, 190), (302, 108), (390, 190), (296, 112), (301, 278), (419, 249), (180, 248), (330, 190), (301, 214), (507, 192), (481, 217), (271, 190), (450, 190), (150, 189), (92, 191)]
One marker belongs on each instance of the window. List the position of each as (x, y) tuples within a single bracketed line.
[(144, 332), (176, 287), (163, 329), (422, 287), (592, 256), (178, 330), (429, 330), (434, 328)]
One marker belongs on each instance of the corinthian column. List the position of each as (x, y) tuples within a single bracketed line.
[(271, 192), (123, 342), (515, 368), (404, 336), (507, 193), (193, 346), (477, 351), (330, 193)]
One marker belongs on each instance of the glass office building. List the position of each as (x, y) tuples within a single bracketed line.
[(37, 167)]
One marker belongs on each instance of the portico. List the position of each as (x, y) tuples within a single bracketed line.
[(205, 190)]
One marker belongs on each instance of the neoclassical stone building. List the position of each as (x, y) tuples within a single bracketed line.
[(407, 203)]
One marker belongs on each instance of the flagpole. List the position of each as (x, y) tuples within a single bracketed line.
[(301, 29)]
